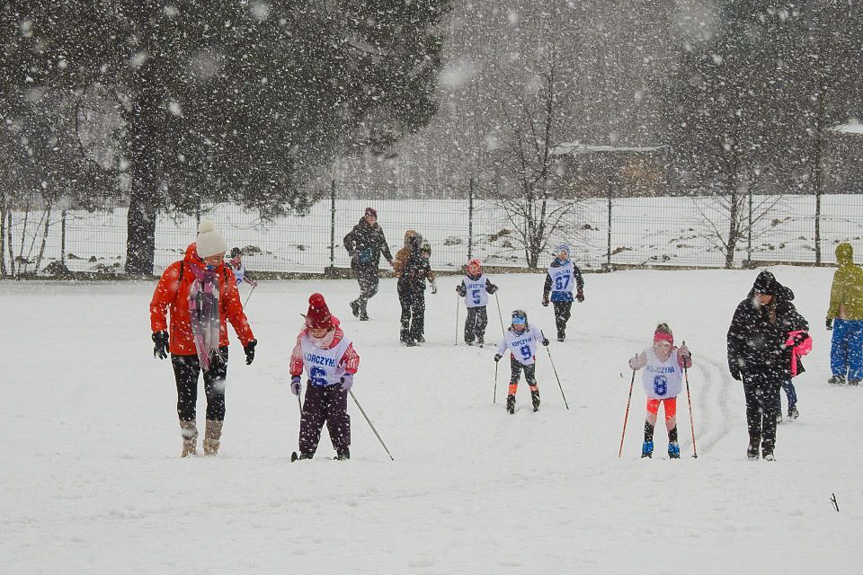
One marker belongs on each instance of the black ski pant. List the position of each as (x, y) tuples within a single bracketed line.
[(562, 311), (475, 324), (324, 404), (186, 371), (761, 389), (413, 315), (516, 367), (367, 277)]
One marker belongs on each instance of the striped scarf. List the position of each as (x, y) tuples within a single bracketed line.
[(204, 313)]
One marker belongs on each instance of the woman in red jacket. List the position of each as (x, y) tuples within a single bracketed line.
[(201, 293)]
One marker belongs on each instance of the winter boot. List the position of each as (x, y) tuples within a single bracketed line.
[(355, 308), (792, 412), (212, 435), (534, 398), (480, 340), (190, 438), (561, 334), (768, 455), (752, 452), (343, 454), (510, 404), (647, 449), (420, 339), (854, 382), (837, 380), (364, 314), (674, 450)]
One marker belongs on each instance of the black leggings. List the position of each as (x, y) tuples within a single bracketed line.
[(186, 371), (515, 372)]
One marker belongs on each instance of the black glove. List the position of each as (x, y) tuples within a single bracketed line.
[(492, 289), (829, 324), (460, 290), (737, 375), (545, 341), (497, 357), (800, 338), (579, 296), (545, 301), (160, 338), (249, 348)]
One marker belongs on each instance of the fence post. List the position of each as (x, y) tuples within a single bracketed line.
[(749, 234), (470, 220), (333, 224), (608, 247), (63, 238)]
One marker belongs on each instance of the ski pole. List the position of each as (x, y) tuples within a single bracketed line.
[(494, 398), (689, 401), (555, 372), (456, 317), (248, 297), (626, 415), (499, 315), (369, 421)]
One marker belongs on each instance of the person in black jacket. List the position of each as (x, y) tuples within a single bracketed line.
[(411, 289), (758, 356), (365, 244)]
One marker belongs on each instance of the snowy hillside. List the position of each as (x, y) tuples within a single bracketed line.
[(92, 481)]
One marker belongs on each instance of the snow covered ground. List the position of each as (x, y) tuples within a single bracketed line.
[(92, 481)]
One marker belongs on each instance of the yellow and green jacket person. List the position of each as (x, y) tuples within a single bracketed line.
[(846, 295)]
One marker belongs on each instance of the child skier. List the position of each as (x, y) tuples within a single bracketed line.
[(663, 381), (474, 288), (236, 264), (411, 289), (330, 361), (562, 276), (521, 340)]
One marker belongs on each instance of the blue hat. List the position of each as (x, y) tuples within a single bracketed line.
[(563, 248)]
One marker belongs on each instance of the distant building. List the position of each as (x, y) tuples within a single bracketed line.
[(591, 171)]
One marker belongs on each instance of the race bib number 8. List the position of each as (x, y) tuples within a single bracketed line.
[(660, 385)]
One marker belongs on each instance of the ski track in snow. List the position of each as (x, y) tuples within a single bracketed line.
[(92, 480)]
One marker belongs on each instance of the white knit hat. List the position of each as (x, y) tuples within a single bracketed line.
[(209, 242)]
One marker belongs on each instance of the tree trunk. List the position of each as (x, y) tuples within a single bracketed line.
[(141, 219), (44, 236), (9, 241), (3, 207), (733, 230)]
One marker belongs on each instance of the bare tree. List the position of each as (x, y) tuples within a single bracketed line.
[(528, 180)]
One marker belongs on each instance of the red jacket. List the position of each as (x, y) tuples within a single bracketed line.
[(173, 292)]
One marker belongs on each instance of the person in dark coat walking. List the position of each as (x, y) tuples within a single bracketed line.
[(365, 244), (759, 356), (411, 289)]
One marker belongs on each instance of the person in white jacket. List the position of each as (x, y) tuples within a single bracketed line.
[(521, 340)]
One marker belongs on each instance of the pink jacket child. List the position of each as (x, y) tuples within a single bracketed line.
[(330, 361), (663, 365)]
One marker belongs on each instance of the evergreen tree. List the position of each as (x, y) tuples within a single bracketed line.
[(227, 100)]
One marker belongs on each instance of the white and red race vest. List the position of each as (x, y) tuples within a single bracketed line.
[(662, 380), (323, 366), (475, 294), (522, 345), (562, 277)]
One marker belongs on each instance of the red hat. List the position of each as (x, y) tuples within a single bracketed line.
[(318, 315), (371, 212), (662, 336)]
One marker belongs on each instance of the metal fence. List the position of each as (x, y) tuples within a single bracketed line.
[(663, 231)]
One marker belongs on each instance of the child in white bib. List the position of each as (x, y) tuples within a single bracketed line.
[(663, 380)]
